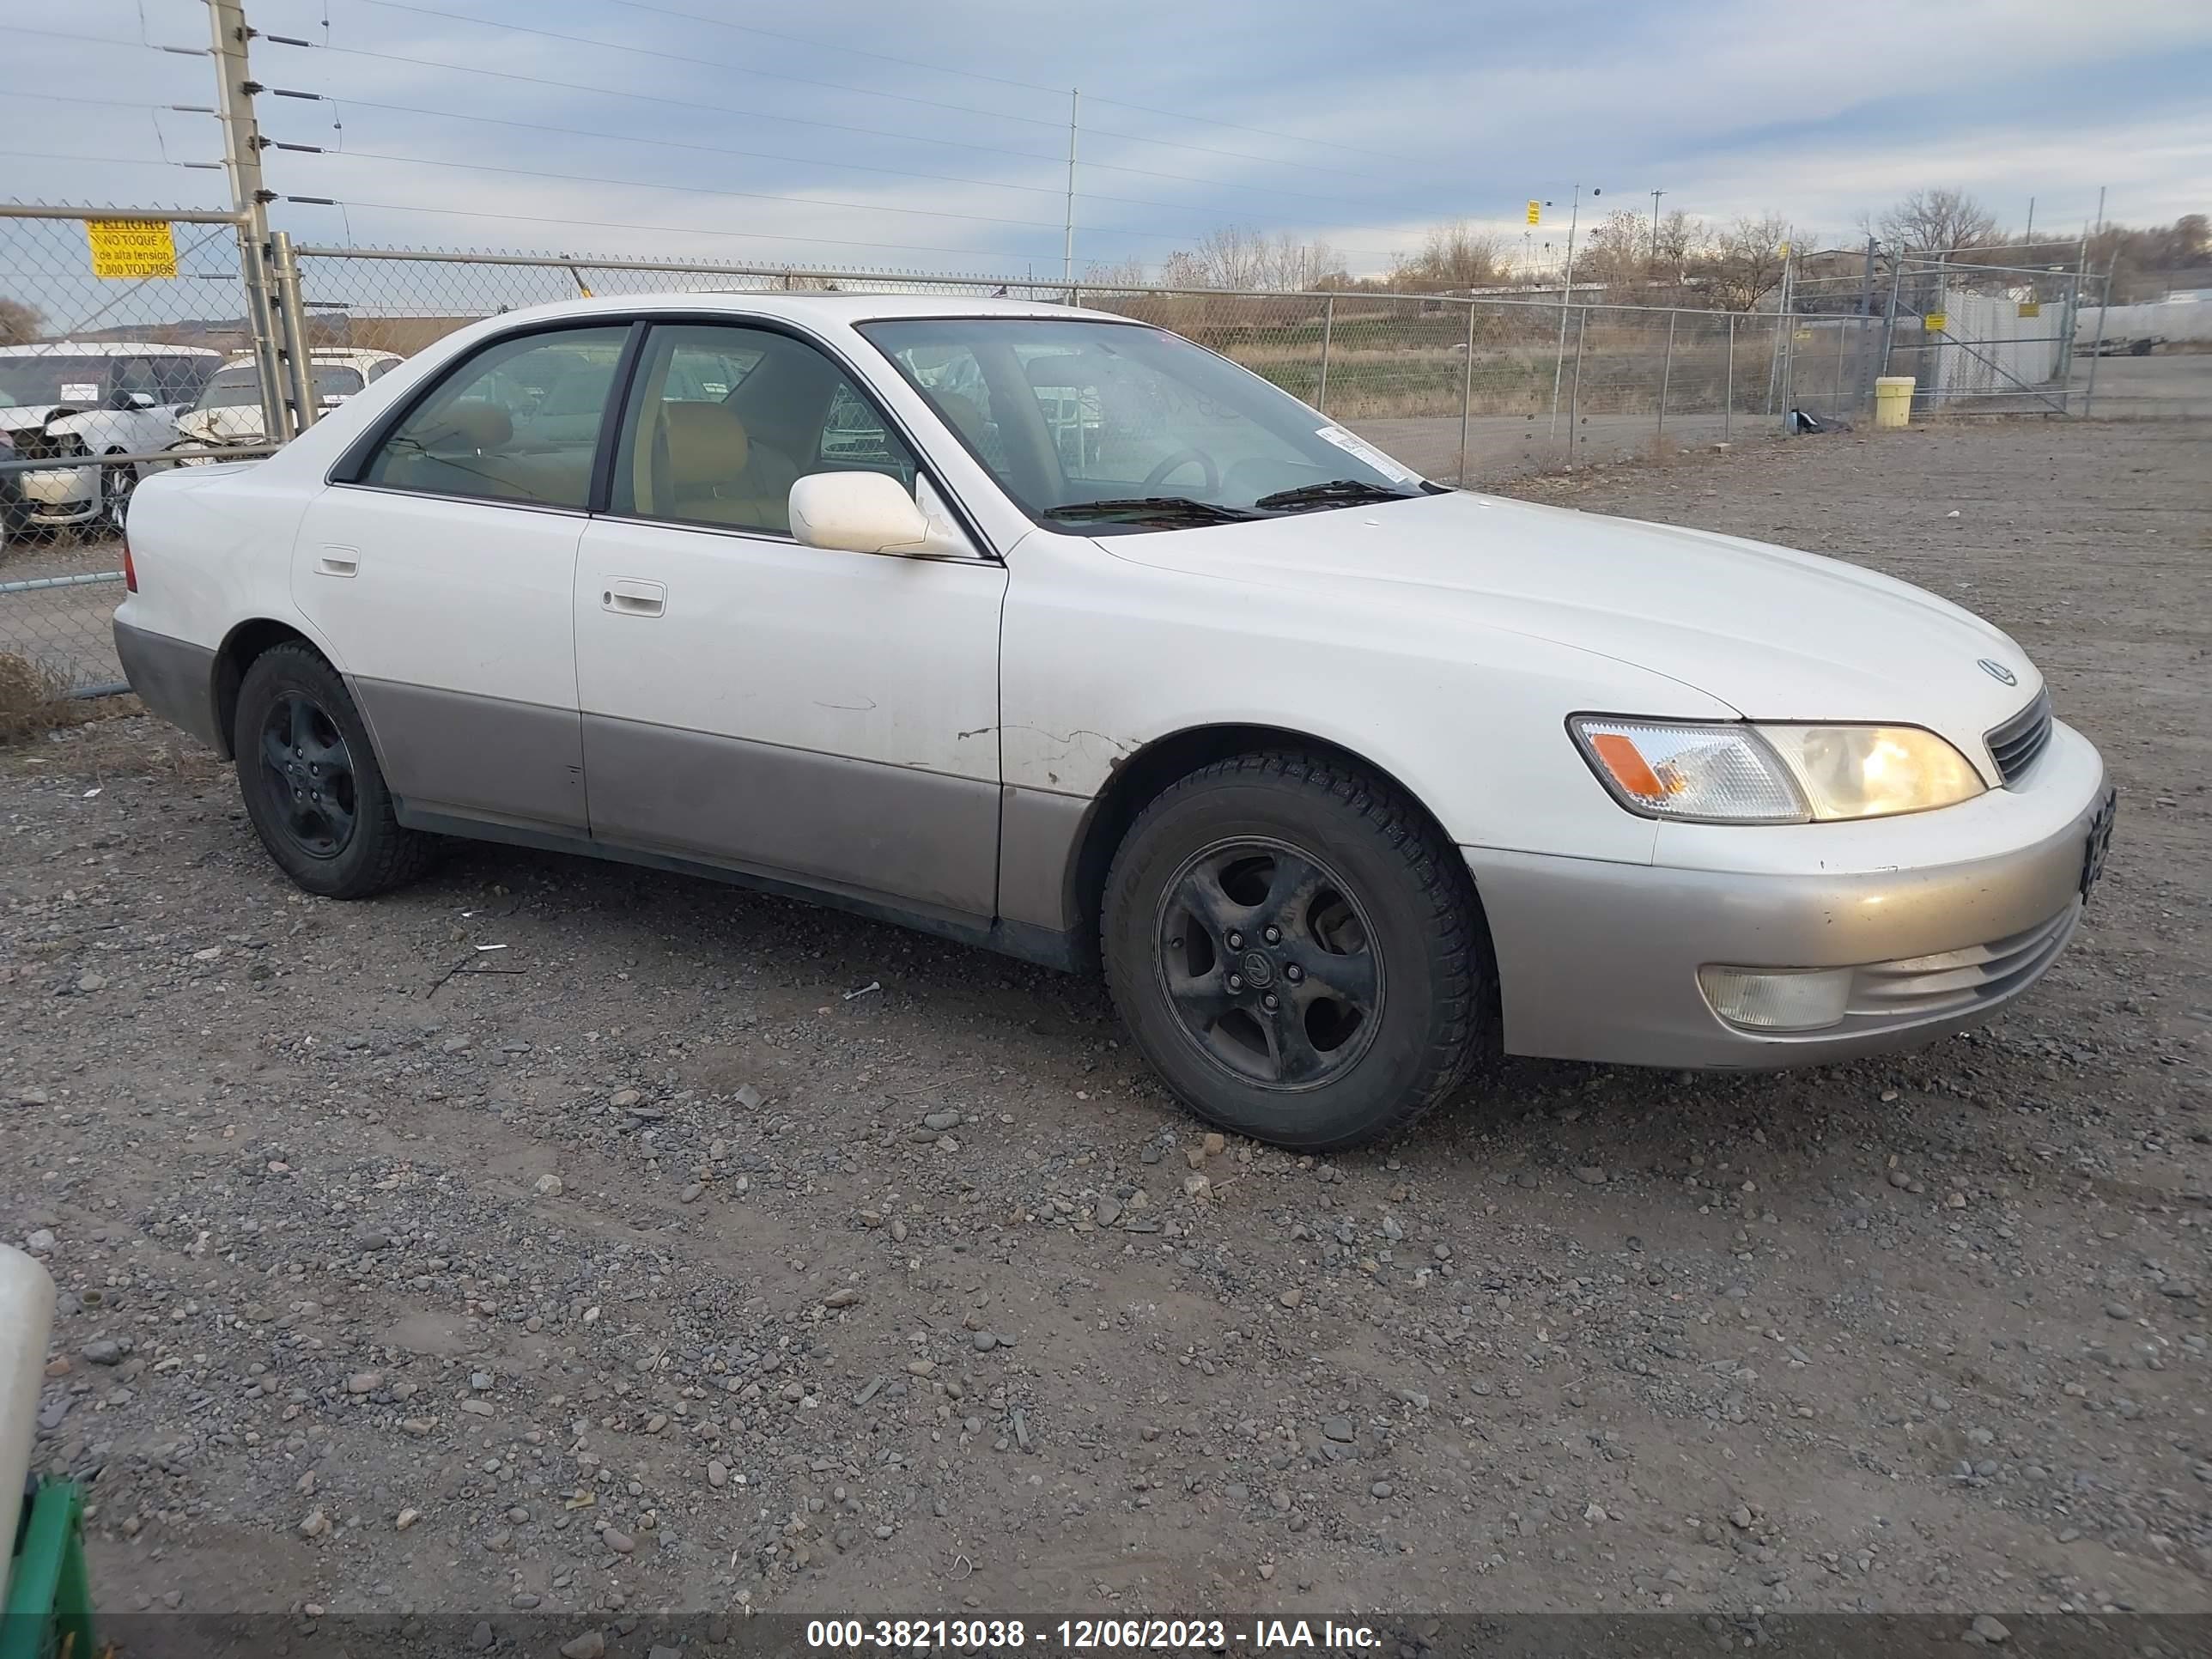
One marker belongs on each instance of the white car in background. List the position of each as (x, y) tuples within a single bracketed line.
[(1052, 632), (72, 401), (228, 412)]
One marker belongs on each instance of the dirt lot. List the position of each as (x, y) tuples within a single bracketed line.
[(690, 1248)]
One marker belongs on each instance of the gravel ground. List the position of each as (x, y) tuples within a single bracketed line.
[(567, 1236)]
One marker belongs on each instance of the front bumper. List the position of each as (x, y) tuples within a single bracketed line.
[(62, 494), (1599, 961)]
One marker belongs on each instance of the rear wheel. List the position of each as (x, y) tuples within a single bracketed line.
[(311, 782), (1295, 950)]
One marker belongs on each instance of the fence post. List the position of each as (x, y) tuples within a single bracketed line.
[(1665, 376), (1575, 387), (1328, 327), (1465, 393), (241, 159), (2097, 350), (1728, 394), (293, 346)]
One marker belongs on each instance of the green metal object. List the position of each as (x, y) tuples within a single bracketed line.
[(49, 1611)]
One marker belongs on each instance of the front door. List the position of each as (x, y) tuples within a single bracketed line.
[(441, 581), (829, 717)]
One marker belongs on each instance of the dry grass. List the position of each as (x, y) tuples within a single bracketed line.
[(33, 698)]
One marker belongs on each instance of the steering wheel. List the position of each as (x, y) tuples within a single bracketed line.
[(1159, 475)]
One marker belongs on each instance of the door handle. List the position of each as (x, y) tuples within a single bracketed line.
[(338, 562), (627, 598)]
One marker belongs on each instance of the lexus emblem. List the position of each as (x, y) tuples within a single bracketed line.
[(1997, 671)]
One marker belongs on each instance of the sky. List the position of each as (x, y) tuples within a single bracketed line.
[(935, 138)]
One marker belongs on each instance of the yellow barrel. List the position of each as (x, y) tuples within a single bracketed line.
[(1892, 400)]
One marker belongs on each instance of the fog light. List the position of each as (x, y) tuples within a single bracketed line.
[(1777, 998)]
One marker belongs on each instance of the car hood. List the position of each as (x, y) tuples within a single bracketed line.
[(1774, 634), (236, 424)]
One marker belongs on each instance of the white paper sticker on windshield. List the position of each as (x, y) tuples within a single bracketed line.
[(80, 391), (1352, 444)]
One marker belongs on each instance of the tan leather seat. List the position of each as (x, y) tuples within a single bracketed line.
[(715, 473)]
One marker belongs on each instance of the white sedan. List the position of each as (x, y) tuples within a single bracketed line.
[(1058, 634)]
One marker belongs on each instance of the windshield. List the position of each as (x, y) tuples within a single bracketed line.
[(240, 386), (1119, 427), (79, 380)]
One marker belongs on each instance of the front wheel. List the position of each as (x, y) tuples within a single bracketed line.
[(1295, 950), (311, 782), (116, 485)]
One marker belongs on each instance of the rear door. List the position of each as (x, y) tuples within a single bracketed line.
[(828, 716), (442, 573)]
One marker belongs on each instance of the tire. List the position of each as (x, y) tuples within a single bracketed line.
[(116, 485), (311, 782), (1367, 1004)]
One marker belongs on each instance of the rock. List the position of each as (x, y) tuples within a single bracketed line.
[(1108, 1210), (984, 1341), (1338, 1429), (1590, 1174), (549, 1186), (371, 1238), (1197, 1188), (102, 1351), (624, 1099), (1899, 1179), (91, 982), (1214, 1145), (1291, 1297), (1740, 1518), (481, 1638), (591, 1644), (747, 1097), (941, 1121), (364, 1383), (620, 1542), (1986, 1628), (40, 1242), (405, 1519), (1595, 1512), (2119, 1310), (692, 1193), (718, 1474), (315, 1525), (843, 1297), (1381, 1489)]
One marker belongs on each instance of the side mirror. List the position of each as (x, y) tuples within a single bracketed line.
[(857, 512)]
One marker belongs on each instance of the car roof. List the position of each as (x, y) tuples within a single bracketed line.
[(105, 349), (815, 308)]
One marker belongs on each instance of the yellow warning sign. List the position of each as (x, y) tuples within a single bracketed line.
[(1934, 322), (1535, 213), (131, 247), (2031, 307)]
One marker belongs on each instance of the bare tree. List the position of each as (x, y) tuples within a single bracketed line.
[(1746, 260), (1941, 220), (1615, 250), (1238, 256), (20, 323), (1680, 241), (1452, 256), (1120, 273)]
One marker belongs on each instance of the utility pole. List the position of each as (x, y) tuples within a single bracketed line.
[(1655, 195), (2027, 236), (1068, 241), (1566, 296), (249, 199)]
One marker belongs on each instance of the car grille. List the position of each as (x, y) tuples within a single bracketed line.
[(1917, 988), (2014, 746)]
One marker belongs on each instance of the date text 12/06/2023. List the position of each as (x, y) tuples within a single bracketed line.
[(1089, 1635)]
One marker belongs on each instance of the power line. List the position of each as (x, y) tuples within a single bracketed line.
[(1054, 191), (696, 61), (676, 230), (1003, 81), (726, 111), (764, 196)]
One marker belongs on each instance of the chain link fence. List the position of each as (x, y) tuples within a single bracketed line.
[(1466, 389)]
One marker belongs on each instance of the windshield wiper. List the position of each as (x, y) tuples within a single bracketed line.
[(1184, 509), (1330, 494)]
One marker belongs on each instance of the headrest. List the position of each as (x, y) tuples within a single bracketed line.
[(707, 444), (469, 426), (963, 411)]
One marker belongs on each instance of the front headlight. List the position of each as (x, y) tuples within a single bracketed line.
[(1743, 773)]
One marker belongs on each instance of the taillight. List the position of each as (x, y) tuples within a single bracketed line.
[(130, 570)]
